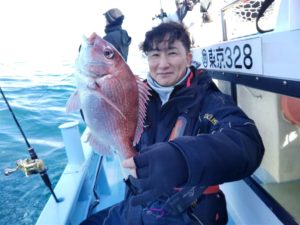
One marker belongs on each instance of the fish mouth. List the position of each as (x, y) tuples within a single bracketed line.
[(93, 84), (94, 64), (96, 82), (94, 76), (94, 69)]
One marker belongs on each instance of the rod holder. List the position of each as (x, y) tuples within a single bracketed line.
[(72, 141)]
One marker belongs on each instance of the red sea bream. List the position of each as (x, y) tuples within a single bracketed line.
[(112, 98)]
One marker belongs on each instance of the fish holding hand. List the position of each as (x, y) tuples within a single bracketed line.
[(113, 100)]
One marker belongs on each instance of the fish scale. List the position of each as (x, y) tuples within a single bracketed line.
[(112, 98)]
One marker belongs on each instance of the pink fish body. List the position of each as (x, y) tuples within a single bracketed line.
[(112, 98)]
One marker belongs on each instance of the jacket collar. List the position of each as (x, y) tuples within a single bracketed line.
[(112, 27), (165, 92)]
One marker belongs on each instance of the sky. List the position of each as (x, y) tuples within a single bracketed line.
[(53, 29), (35, 30), (42, 34)]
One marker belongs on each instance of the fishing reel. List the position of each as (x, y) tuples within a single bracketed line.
[(28, 166), (33, 165)]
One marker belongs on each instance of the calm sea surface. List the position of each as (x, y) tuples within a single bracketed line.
[(37, 93)]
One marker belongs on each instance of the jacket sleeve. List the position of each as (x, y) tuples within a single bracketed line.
[(230, 149)]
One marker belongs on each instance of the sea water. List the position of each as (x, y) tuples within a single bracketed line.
[(37, 93), (37, 96)]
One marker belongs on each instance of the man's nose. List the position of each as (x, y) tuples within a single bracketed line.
[(164, 61)]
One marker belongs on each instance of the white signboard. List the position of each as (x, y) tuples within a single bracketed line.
[(243, 56)]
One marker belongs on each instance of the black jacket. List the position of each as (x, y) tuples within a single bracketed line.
[(220, 143), (119, 38)]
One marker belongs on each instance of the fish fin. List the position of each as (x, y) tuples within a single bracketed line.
[(108, 101), (98, 147), (73, 103), (144, 94)]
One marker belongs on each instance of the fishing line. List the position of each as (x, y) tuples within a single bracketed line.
[(30, 149)]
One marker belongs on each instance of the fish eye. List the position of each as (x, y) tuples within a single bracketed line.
[(108, 53)]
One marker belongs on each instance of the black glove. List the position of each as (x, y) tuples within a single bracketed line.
[(160, 168)]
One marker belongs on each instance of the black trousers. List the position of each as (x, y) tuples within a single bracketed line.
[(209, 209)]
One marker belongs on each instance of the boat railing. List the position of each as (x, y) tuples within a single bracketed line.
[(71, 182)]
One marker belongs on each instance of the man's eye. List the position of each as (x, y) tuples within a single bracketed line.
[(172, 53), (108, 53), (153, 55)]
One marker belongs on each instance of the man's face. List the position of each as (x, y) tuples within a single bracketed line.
[(168, 63)]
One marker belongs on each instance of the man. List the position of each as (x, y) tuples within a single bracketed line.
[(194, 139), (115, 35)]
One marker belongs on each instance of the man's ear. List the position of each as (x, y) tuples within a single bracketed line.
[(189, 58)]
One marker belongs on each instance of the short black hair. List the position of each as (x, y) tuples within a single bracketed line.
[(173, 30)]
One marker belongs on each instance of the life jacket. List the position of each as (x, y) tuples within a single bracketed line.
[(186, 196), (182, 198)]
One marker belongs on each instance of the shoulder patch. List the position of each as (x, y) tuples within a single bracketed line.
[(210, 118)]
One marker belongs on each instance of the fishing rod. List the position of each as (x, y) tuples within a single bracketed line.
[(33, 165)]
